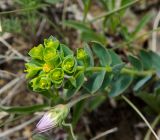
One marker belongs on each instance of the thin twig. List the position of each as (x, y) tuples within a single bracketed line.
[(17, 128), (154, 34), (7, 58), (141, 115), (12, 93), (6, 74), (155, 122), (10, 84), (13, 50), (41, 26), (105, 133)]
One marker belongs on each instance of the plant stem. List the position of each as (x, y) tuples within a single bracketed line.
[(78, 99), (147, 136), (138, 73), (71, 130), (141, 115), (123, 71)]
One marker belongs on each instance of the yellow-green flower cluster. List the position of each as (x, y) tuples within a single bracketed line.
[(50, 63)]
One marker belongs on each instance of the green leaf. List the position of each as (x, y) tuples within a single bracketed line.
[(90, 59), (39, 137), (31, 70), (87, 34), (77, 112), (120, 85), (53, 1), (73, 90), (23, 109), (107, 80), (95, 82), (95, 102), (87, 4), (155, 57), (110, 4), (65, 50), (141, 83), (136, 63), (142, 24), (146, 59), (93, 36), (72, 81), (115, 58), (125, 33), (152, 99), (102, 53), (77, 25), (117, 68)]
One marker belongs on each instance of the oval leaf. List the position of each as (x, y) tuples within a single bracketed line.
[(73, 90), (95, 82), (141, 83), (115, 58), (102, 53), (119, 86), (136, 63), (90, 55)]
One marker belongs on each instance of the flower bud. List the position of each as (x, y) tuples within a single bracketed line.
[(31, 70), (57, 75), (81, 54), (41, 83), (69, 64), (51, 42), (37, 52), (50, 54), (52, 118)]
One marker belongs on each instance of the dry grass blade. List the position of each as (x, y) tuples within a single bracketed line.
[(11, 93), (154, 34), (19, 127), (6, 74), (105, 133), (10, 84), (13, 50)]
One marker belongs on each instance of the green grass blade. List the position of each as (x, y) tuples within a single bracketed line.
[(106, 14)]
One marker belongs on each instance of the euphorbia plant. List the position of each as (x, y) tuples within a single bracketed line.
[(59, 74)]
